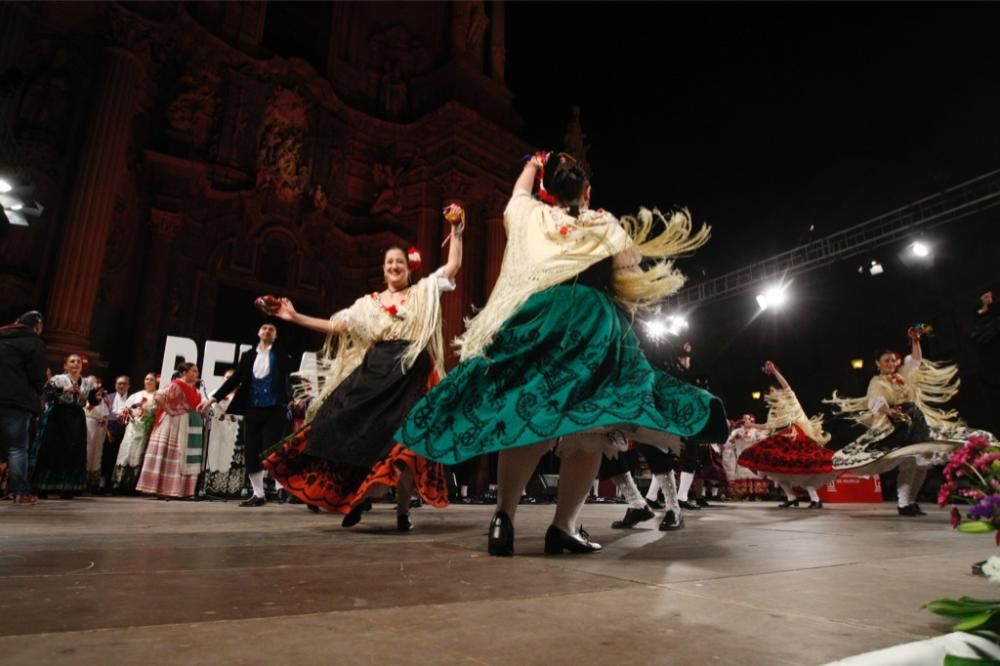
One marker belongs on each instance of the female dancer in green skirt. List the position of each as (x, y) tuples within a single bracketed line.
[(552, 360)]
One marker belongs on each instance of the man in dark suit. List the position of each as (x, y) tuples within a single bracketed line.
[(261, 384)]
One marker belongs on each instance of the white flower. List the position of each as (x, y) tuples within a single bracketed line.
[(992, 569)]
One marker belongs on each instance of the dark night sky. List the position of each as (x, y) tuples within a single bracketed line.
[(765, 119)]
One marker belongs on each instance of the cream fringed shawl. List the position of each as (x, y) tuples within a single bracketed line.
[(418, 320), (546, 246), (927, 384), (784, 409)]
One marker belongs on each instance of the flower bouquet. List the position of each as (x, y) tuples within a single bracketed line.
[(972, 476)]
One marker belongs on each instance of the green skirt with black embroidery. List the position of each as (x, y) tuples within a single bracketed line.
[(566, 362)]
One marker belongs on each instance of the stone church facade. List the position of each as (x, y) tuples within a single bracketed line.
[(187, 165)]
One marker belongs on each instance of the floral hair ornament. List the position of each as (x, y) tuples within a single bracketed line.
[(543, 194), (413, 259)]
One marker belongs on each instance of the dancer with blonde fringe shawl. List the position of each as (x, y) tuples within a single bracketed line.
[(389, 352), (551, 360), (794, 454), (906, 423)]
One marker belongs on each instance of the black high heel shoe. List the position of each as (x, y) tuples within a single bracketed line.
[(788, 504), (403, 522), (556, 541), (354, 517), (815, 505), (501, 537)]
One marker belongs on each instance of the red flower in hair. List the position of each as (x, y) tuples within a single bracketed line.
[(413, 259)]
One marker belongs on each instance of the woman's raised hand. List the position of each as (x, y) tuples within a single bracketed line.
[(285, 310), (455, 215), (769, 368)]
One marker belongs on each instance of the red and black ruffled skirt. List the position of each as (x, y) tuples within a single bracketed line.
[(349, 447), (788, 452)]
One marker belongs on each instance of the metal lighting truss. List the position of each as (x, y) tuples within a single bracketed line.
[(951, 205)]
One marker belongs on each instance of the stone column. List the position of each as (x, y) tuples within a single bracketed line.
[(88, 218), (498, 49), (243, 22), (153, 290), (496, 243), (15, 21)]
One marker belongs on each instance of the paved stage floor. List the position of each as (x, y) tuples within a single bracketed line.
[(130, 580)]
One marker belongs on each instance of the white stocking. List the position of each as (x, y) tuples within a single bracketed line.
[(627, 488), (257, 483), (687, 478), (669, 487), (654, 488)]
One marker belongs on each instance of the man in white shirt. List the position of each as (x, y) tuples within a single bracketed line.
[(115, 403)]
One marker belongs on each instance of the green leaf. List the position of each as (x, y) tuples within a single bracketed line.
[(974, 621), (976, 527), (951, 660), (961, 607)]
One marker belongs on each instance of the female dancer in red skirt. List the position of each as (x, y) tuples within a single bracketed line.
[(794, 454), (390, 352)]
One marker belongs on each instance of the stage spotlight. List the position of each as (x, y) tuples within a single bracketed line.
[(876, 268), (656, 329), (676, 324), (755, 395), (5, 186), (919, 249), (774, 296), (857, 363)]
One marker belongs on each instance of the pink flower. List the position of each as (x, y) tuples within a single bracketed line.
[(945, 492), (983, 461)]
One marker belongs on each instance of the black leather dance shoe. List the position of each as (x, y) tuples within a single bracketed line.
[(354, 517), (501, 537), (689, 506), (254, 501), (556, 541), (788, 504), (702, 502), (672, 521), (403, 522), (910, 510), (632, 518), (655, 504), (815, 505)]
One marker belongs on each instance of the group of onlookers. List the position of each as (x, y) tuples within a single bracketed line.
[(64, 434)]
